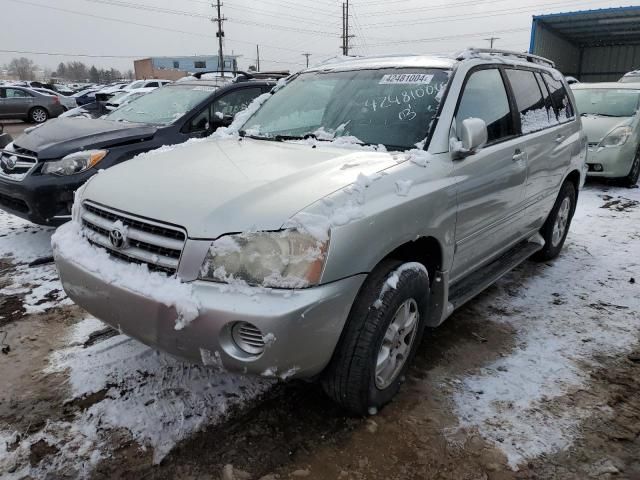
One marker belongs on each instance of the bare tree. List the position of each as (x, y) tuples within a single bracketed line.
[(23, 68)]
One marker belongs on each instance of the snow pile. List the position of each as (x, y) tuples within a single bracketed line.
[(403, 187), (69, 243), (517, 402), (22, 242), (391, 283), (534, 120), (157, 399)]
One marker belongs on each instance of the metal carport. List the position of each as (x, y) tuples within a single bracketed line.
[(591, 45)]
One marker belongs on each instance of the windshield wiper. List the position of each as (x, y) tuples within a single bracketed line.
[(598, 115)]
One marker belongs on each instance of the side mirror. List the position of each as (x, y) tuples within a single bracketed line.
[(473, 135)]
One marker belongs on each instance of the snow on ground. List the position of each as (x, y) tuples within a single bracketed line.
[(157, 399), (22, 242), (595, 313)]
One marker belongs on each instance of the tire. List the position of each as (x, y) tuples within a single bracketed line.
[(38, 115), (352, 379), (634, 173), (556, 227)]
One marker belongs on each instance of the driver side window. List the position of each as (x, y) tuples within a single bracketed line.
[(236, 101), (485, 97), (201, 122)]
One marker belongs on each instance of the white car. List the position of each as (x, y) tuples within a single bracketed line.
[(66, 102), (123, 97), (153, 83)]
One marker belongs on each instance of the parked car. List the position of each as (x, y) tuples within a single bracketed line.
[(85, 96), (67, 102), (362, 202), (154, 83), (126, 96), (58, 157), (631, 77), (22, 103), (611, 118)]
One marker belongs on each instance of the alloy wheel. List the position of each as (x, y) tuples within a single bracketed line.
[(562, 219), (397, 343)]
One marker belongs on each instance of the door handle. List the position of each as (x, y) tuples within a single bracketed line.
[(519, 155), (560, 139)]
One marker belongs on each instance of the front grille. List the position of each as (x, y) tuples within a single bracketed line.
[(156, 245), (17, 163), (14, 203)]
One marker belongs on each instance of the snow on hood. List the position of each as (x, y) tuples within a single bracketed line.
[(597, 127), (217, 187)]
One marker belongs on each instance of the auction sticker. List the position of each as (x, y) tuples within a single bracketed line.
[(406, 79)]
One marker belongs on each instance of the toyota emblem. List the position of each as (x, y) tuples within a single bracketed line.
[(117, 238)]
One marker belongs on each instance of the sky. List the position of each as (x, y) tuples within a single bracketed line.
[(112, 33)]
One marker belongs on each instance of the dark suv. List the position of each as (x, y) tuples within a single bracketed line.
[(40, 170)]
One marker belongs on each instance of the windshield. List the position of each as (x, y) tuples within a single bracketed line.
[(393, 107), (607, 102), (162, 106)]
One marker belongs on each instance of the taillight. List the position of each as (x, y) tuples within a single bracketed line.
[(56, 100)]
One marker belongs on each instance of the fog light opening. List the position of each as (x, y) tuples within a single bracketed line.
[(597, 167), (248, 338)]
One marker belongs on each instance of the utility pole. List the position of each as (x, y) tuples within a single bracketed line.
[(220, 35), (307, 55), (345, 28), (491, 40), (258, 58)]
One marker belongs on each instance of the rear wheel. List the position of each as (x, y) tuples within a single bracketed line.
[(632, 178), (38, 115), (380, 339), (555, 229)]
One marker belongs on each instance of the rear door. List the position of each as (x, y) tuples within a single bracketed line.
[(491, 182), (17, 101), (567, 134), (540, 131)]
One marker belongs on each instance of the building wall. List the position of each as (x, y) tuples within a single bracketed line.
[(603, 64), (192, 64), (547, 44)]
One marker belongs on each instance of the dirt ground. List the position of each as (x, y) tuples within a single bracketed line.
[(14, 127), (537, 378)]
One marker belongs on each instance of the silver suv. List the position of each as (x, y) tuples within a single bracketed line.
[(339, 216)]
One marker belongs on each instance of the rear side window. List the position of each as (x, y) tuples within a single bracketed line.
[(485, 97), (561, 104), (530, 101)]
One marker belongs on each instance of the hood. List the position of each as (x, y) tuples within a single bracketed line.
[(213, 187), (597, 127), (63, 136)]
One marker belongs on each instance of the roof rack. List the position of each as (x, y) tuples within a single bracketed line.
[(507, 53)]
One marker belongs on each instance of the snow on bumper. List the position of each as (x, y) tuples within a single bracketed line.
[(301, 327)]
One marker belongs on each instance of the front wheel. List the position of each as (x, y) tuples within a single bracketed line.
[(380, 339), (632, 178), (555, 229), (38, 115)]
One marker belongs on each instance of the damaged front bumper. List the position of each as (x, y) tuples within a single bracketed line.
[(300, 328)]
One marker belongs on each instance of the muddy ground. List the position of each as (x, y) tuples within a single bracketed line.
[(537, 378)]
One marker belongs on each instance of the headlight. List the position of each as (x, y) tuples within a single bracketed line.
[(286, 259), (617, 137), (74, 163)]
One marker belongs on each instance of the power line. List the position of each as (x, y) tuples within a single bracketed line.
[(146, 25), (492, 13), (449, 37)]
